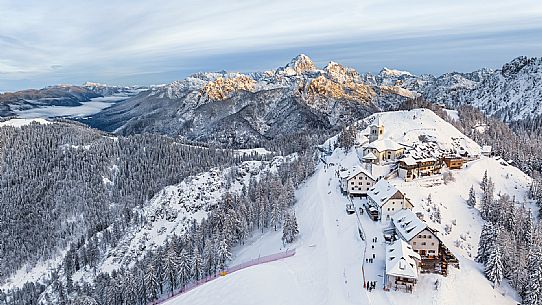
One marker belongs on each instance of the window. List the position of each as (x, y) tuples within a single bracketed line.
[(429, 236), (368, 183), (431, 251), (414, 243), (419, 236), (432, 244), (423, 243)]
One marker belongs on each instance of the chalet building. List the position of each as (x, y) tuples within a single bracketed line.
[(387, 199), (385, 150), (356, 182), (454, 162), (410, 228), (402, 266), (421, 160), (410, 168)]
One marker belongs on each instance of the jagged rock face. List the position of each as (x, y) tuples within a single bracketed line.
[(221, 88), (241, 110), (347, 90)]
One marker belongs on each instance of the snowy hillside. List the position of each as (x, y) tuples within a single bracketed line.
[(327, 267), (173, 210), (422, 125)]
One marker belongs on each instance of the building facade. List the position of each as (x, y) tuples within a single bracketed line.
[(387, 199)]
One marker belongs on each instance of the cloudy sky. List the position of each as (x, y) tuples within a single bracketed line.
[(150, 42)]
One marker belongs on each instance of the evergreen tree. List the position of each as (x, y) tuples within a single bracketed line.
[(487, 200), (224, 253), (290, 229), (494, 265), (487, 241), (533, 293), (197, 266), (483, 184), (184, 268), (471, 202), (152, 281), (170, 265)]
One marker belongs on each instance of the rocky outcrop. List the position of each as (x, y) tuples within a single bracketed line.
[(221, 88)]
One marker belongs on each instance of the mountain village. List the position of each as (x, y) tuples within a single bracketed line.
[(412, 247)]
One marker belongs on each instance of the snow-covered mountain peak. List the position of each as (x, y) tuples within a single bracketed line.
[(341, 74), (298, 65), (393, 72)]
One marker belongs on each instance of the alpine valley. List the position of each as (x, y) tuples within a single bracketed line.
[(296, 185)]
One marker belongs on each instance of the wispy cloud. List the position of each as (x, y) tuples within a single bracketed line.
[(70, 41)]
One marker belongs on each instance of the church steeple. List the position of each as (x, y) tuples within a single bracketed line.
[(376, 130)]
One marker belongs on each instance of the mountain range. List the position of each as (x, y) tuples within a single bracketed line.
[(248, 109)]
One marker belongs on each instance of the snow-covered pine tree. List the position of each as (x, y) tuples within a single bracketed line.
[(184, 268), (209, 257), (224, 253), (471, 202), (151, 280), (533, 291), (170, 263), (494, 265), (487, 200), (347, 137), (289, 229), (197, 266), (483, 184), (487, 239)]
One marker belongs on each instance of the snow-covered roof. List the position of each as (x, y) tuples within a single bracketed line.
[(357, 170), (408, 161), (382, 191), (407, 224), (401, 260), (361, 139), (486, 149), (384, 144), (369, 156)]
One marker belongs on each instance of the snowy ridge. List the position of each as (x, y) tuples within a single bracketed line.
[(511, 93)]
